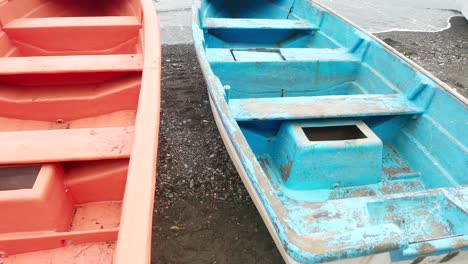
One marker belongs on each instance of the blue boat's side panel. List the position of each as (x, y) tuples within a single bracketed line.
[(267, 79), (350, 148), (450, 116), (276, 9)]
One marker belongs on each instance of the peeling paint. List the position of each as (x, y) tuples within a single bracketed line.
[(286, 170), (410, 204)]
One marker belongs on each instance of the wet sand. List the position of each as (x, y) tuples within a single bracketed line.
[(445, 53), (203, 213)]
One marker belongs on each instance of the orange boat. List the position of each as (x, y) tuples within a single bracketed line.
[(79, 123)]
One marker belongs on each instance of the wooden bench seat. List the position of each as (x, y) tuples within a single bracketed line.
[(247, 23), (286, 108), (283, 54)]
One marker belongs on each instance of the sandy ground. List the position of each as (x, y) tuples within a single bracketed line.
[(444, 53), (203, 213)]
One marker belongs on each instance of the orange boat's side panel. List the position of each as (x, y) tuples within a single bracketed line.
[(79, 125), (37, 242), (97, 181)]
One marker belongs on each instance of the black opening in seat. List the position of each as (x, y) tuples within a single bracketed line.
[(331, 133), (17, 178)]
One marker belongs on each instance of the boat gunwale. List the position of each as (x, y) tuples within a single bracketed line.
[(135, 231)]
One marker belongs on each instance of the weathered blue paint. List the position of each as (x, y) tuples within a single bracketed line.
[(310, 107), (276, 67), (305, 164), (232, 24)]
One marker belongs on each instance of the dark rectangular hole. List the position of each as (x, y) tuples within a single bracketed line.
[(333, 133), (17, 178)]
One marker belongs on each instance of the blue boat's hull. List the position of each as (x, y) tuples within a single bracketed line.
[(348, 149)]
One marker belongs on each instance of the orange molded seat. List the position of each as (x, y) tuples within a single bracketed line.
[(30, 147), (74, 35), (71, 64), (116, 23)]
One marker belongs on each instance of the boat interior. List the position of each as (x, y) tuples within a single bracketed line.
[(70, 76), (350, 138)]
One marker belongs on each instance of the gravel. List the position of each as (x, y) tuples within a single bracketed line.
[(203, 213)]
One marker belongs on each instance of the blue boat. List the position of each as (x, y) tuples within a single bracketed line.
[(351, 152)]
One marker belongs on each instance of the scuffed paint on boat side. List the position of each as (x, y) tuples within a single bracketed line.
[(351, 215)]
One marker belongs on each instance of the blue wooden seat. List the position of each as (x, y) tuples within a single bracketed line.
[(248, 30), (311, 107), (283, 54), (246, 23)]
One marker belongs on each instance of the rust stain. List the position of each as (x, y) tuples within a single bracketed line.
[(413, 185), (425, 249), (397, 188), (390, 171), (386, 190), (438, 229), (395, 172), (320, 214), (264, 163), (362, 192), (286, 170), (392, 188), (353, 193)]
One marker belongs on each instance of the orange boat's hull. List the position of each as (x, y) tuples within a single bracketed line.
[(79, 124)]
